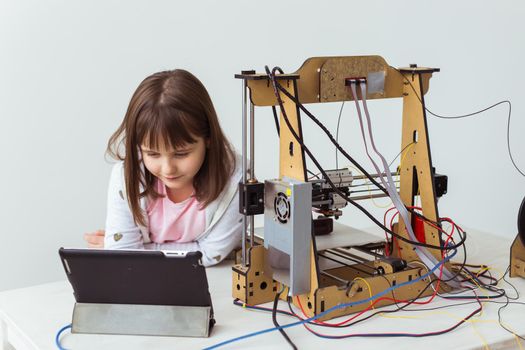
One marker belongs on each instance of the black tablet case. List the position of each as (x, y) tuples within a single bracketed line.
[(136, 277)]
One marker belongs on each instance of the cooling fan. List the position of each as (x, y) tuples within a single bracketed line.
[(281, 205)]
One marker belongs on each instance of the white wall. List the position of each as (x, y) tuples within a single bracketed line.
[(68, 69)]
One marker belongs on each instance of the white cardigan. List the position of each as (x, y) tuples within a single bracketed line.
[(221, 235)]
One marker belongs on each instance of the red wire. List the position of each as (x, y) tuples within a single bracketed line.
[(449, 235), (387, 252), (405, 334), (454, 225)]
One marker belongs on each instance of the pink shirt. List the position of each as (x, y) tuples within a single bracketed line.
[(177, 222)]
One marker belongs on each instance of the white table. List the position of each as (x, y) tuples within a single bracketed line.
[(30, 318)]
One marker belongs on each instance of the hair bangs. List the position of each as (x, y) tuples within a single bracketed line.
[(167, 128)]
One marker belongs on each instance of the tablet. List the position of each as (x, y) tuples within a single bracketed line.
[(136, 277)]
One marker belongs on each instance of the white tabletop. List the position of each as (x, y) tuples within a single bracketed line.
[(33, 315)]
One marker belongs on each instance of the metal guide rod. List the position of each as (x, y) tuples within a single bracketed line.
[(362, 177), (244, 163), (334, 277), (252, 163), (358, 177), (363, 272)]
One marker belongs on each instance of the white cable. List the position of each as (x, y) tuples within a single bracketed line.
[(423, 254), (420, 251), (404, 212)]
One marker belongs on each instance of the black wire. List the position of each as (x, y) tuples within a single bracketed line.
[(276, 324), (389, 311), (342, 194), (487, 299), (454, 277), (403, 334), (470, 115), (277, 127), (501, 323), (493, 281), (461, 304), (404, 307), (510, 284), (278, 86), (503, 293), (491, 287), (461, 265), (313, 174), (500, 310), (369, 316), (237, 302)]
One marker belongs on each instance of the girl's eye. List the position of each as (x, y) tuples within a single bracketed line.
[(181, 155), (153, 155)]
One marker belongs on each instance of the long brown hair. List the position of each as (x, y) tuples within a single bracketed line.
[(172, 107)]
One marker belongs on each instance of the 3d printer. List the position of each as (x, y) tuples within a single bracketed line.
[(319, 274)]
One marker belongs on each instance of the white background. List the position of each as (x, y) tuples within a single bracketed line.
[(68, 69)]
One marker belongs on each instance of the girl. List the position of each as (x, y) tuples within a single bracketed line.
[(175, 187)]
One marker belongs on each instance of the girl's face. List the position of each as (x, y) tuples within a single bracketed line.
[(176, 168)]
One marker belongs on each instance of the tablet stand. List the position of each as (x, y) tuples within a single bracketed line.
[(129, 319)]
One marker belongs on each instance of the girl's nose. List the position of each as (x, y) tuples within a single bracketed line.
[(169, 166)]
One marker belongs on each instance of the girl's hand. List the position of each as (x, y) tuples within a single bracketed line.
[(95, 239)]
